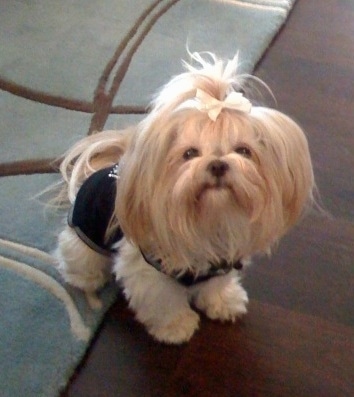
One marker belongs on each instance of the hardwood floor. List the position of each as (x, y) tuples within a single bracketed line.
[(298, 337)]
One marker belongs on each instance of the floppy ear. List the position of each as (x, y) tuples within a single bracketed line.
[(289, 160), (132, 199), (140, 179)]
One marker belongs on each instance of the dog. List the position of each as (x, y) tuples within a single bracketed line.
[(177, 205)]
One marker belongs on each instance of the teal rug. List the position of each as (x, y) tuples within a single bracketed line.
[(68, 68)]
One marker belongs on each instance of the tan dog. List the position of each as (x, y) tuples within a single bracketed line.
[(205, 181)]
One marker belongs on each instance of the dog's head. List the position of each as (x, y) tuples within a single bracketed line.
[(210, 176)]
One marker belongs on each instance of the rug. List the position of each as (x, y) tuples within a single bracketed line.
[(67, 69)]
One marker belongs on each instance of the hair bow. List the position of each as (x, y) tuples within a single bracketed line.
[(211, 105)]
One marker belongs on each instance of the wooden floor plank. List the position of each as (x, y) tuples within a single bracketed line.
[(273, 352)]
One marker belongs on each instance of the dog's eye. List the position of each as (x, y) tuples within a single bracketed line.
[(191, 153), (244, 151)]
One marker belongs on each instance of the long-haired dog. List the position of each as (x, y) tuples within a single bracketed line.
[(175, 205)]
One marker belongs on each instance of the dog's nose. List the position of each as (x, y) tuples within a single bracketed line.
[(217, 168)]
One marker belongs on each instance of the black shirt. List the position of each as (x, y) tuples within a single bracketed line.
[(93, 210)]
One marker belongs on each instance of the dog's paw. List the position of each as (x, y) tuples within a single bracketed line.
[(178, 329), (222, 302)]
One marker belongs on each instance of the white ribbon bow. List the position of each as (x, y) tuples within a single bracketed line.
[(211, 105)]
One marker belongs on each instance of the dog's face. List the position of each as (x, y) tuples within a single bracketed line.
[(212, 190)]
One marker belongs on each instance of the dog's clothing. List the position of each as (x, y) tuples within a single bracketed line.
[(92, 212)]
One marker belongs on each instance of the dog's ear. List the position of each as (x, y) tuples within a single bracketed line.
[(288, 160), (144, 164), (132, 199)]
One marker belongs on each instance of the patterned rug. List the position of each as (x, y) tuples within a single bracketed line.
[(67, 69)]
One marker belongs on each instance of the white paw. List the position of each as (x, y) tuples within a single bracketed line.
[(220, 301), (177, 330)]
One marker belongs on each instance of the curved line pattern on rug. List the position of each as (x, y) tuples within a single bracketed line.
[(104, 96), (77, 325), (30, 251), (101, 107)]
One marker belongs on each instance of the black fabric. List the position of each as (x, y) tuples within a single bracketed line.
[(189, 278), (93, 209)]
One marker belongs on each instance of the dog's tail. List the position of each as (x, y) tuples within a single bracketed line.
[(88, 155)]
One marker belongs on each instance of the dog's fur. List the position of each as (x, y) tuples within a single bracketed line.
[(171, 205)]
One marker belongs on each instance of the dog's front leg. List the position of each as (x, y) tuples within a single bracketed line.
[(221, 298), (159, 302)]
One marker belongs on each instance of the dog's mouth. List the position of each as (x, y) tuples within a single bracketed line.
[(218, 186)]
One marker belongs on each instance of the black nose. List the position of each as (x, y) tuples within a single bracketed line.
[(217, 168)]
